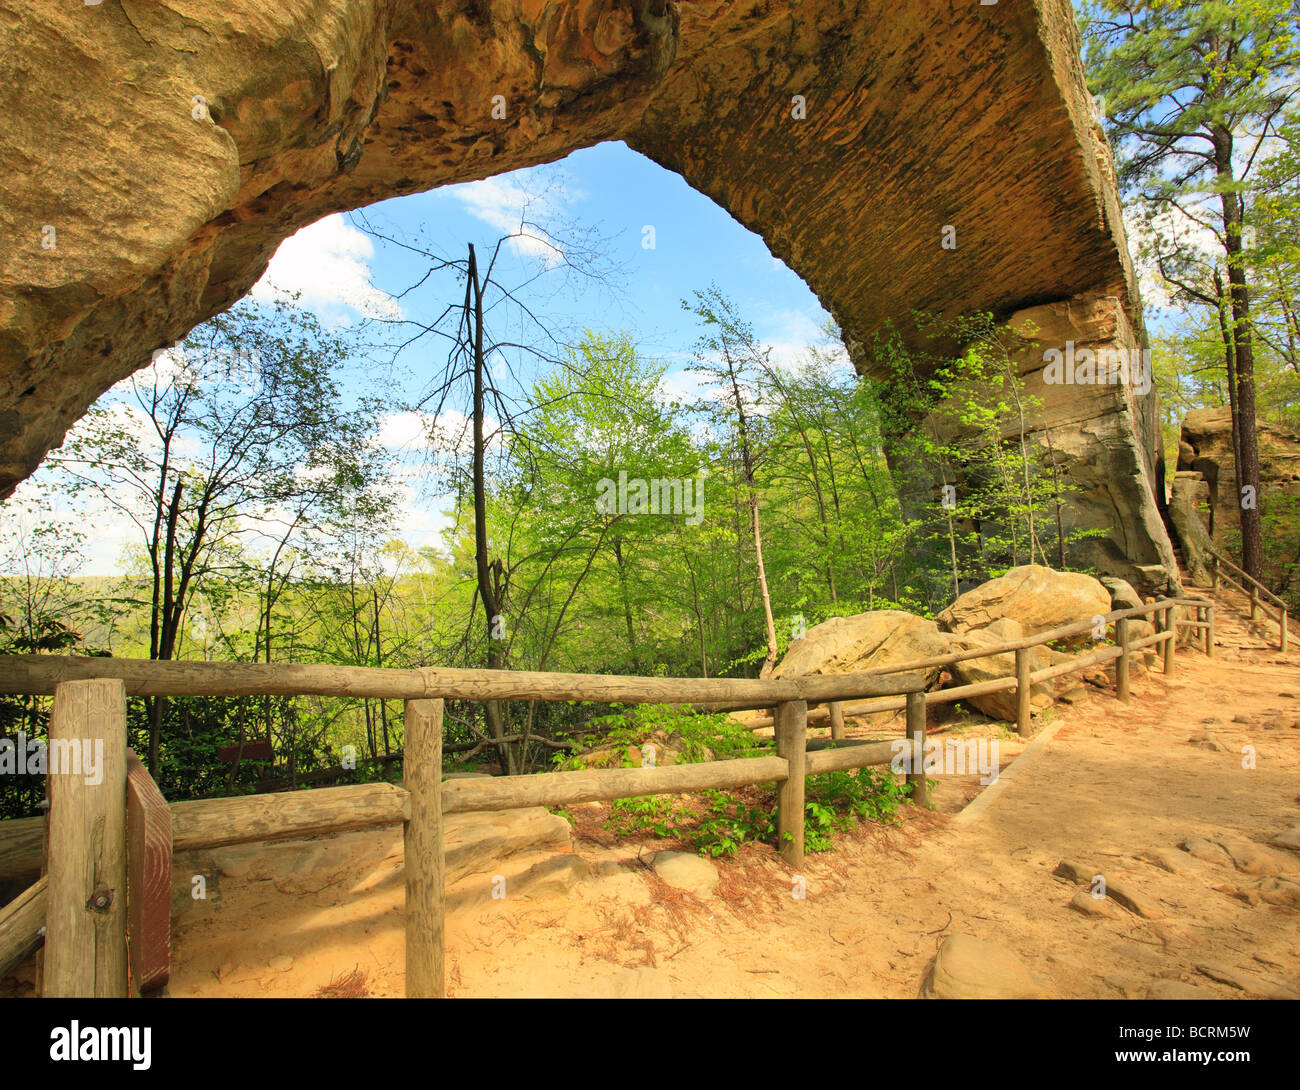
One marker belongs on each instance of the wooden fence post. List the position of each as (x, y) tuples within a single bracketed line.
[(1209, 631), (791, 721), (916, 738), (1171, 644), (1254, 601), (1214, 570), (1023, 710), (837, 717), (1282, 620), (1122, 663), (423, 851), (85, 931)]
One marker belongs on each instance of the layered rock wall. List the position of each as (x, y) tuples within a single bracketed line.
[(936, 155)]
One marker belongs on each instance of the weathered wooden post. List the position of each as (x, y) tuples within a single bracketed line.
[(423, 851), (85, 929), (1209, 631), (1254, 600), (1122, 663), (1214, 572), (791, 720), (1282, 621), (916, 740), (1171, 644), (1023, 710), (837, 720)]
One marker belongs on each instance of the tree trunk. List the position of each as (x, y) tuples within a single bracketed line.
[(487, 587), (769, 664), (1252, 539), (627, 604)]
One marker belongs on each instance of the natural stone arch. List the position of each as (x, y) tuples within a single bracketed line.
[(172, 149)]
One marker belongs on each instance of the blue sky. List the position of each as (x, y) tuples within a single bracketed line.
[(608, 189)]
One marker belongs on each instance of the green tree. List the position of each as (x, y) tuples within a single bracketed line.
[(1192, 91), (244, 425)]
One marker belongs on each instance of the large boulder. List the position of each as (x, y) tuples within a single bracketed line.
[(999, 705), (844, 645), (1123, 596), (659, 747), (1038, 598)]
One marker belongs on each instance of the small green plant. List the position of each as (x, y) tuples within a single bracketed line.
[(729, 822), (834, 802), (656, 814), (694, 737)]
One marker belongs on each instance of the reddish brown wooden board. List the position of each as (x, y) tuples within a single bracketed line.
[(148, 879), (257, 749)]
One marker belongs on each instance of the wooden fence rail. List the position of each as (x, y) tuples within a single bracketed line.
[(82, 903), (39, 675), (1256, 591)]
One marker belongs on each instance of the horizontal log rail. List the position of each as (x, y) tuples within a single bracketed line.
[(201, 824), (600, 785), (1038, 640), (1218, 558), (22, 923), (1280, 618), (39, 675)]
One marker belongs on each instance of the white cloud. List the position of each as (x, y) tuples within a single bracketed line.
[(416, 432), (421, 522), (1166, 229), (328, 265), (686, 387), (522, 210)]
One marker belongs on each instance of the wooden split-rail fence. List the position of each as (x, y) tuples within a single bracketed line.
[(104, 849), (1224, 570)]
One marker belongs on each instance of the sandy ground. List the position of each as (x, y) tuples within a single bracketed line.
[(1111, 783)]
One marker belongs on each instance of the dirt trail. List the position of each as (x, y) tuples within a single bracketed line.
[(1114, 782)]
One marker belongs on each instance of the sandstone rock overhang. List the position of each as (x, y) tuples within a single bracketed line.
[(155, 155)]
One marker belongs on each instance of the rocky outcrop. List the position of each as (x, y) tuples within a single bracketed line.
[(941, 157), (1205, 449), (1001, 705), (1037, 598), (845, 645), (1205, 502), (1187, 500), (1089, 414)]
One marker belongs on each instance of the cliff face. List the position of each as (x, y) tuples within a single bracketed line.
[(1205, 485), (156, 155)]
